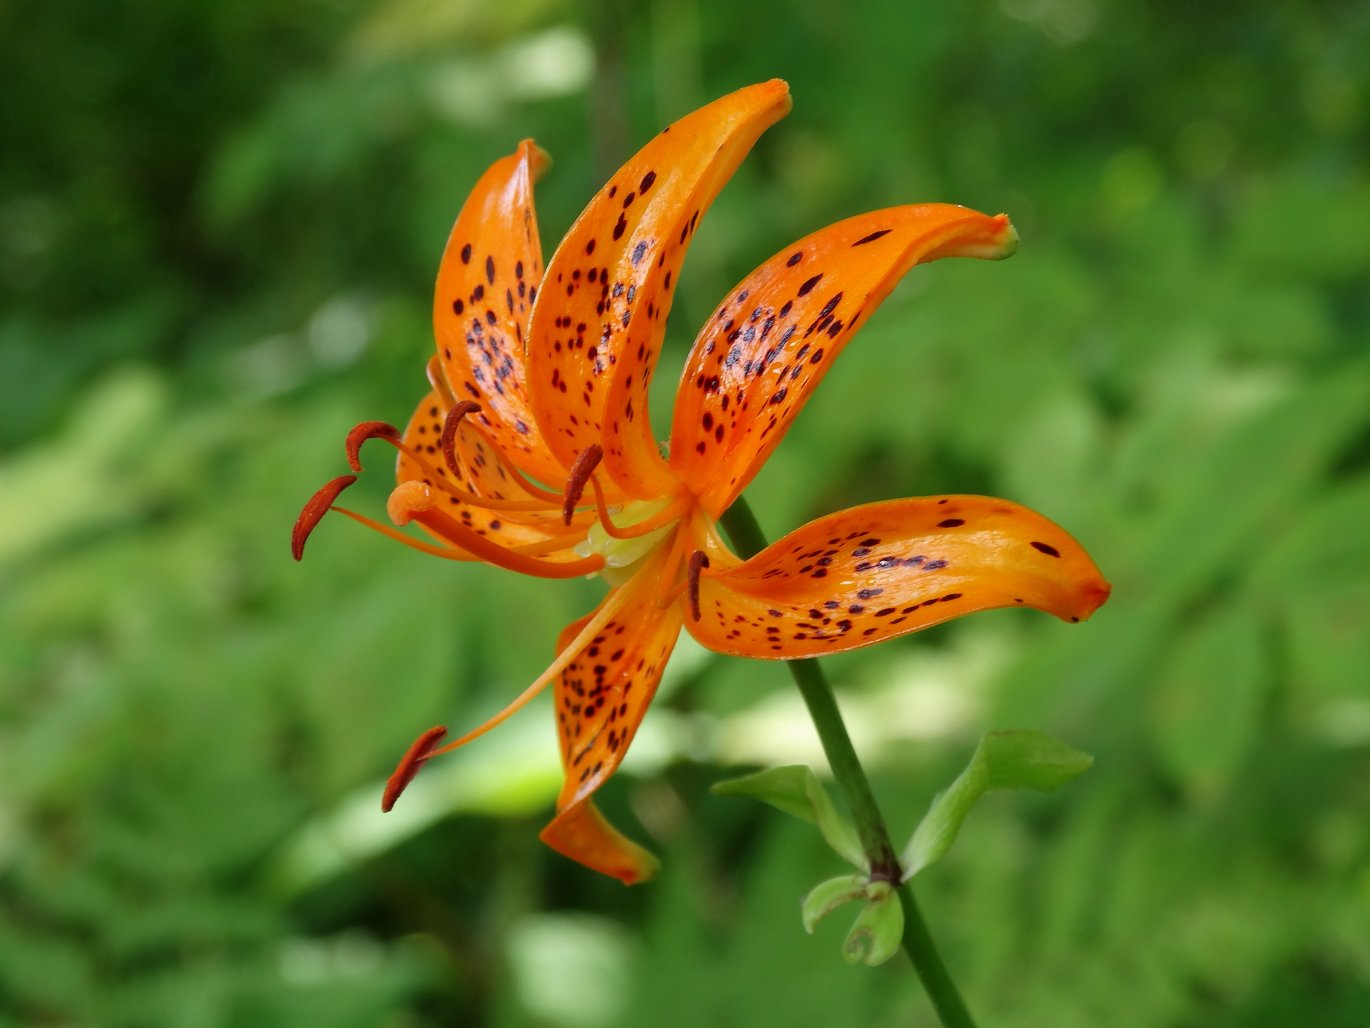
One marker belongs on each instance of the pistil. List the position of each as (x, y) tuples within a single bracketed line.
[(414, 501)]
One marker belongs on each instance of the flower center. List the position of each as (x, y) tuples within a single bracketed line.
[(622, 557)]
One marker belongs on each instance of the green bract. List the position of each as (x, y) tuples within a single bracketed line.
[(1020, 759), (796, 790)]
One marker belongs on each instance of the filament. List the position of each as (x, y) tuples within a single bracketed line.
[(613, 603)]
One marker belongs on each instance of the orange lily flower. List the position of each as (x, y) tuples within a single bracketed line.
[(533, 449)]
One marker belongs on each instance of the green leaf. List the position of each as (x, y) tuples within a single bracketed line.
[(1020, 759), (1024, 759), (878, 930), (825, 897), (796, 790)]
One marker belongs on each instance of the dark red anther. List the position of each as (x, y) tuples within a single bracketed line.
[(449, 433), (361, 433), (314, 509), (580, 475), (414, 758), (699, 560)]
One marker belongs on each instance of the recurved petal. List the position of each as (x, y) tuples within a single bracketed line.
[(603, 694), (598, 324), (487, 282), (582, 833), (884, 569), (601, 698), (773, 339)]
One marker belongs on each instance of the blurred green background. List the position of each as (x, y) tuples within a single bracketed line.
[(218, 229)]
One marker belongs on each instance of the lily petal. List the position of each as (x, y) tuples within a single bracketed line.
[(599, 322), (773, 339), (601, 697), (487, 283), (582, 833), (603, 694), (881, 570)]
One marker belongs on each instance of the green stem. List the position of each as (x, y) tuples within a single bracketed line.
[(746, 535)]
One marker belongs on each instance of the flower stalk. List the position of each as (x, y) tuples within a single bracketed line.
[(747, 538)]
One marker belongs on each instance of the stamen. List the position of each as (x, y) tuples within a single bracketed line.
[(367, 430), (705, 529), (698, 561), (433, 369), (414, 758), (364, 431), (613, 603), (662, 517), (580, 474), (317, 506), (455, 415), (449, 433), (550, 545), (413, 501), (445, 552), (673, 583)]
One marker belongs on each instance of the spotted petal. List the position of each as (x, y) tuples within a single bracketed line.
[(598, 324), (601, 697), (773, 339), (881, 570), (487, 282)]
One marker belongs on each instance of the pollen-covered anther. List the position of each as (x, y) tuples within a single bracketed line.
[(581, 471), (414, 759), (364, 431), (455, 415), (315, 508), (699, 560)]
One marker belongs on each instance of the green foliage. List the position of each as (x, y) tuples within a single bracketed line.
[(796, 790), (1019, 759), (217, 228)]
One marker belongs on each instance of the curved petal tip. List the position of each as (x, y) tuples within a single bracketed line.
[(581, 833), (539, 160), (1091, 597), (1005, 244)]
